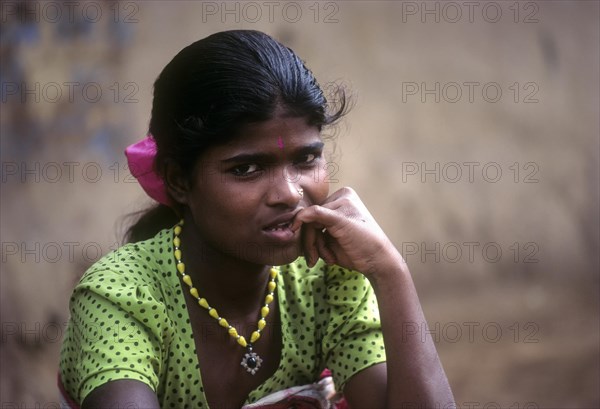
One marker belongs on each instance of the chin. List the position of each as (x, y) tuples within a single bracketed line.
[(267, 252), (278, 256)]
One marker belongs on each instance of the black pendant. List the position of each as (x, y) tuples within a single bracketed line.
[(251, 361)]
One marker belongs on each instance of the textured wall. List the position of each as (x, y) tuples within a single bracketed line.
[(473, 141)]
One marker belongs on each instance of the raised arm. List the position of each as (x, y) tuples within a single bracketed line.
[(413, 375)]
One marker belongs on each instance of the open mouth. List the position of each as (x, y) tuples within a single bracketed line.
[(281, 232), (279, 227)]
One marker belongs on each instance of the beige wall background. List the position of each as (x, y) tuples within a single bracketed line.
[(474, 141)]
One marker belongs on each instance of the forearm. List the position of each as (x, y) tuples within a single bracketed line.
[(352, 238), (416, 377)]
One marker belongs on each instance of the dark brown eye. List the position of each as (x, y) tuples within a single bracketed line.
[(307, 159), (245, 170)]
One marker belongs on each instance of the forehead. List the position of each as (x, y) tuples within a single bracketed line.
[(277, 133)]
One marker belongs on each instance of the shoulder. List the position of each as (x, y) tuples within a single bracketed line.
[(131, 278), (140, 263)]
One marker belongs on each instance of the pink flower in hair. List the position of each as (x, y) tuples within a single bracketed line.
[(140, 157)]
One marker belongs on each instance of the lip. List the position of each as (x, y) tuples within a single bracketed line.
[(279, 228)]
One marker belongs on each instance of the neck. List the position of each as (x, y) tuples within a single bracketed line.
[(235, 287)]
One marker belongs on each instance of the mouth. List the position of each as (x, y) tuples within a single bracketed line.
[(279, 227), (280, 230)]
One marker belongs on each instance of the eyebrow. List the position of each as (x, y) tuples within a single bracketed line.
[(263, 157)]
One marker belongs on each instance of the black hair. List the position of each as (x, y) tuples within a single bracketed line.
[(215, 86)]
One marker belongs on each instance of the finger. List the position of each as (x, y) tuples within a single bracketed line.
[(340, 193), (320, 216), (297, 223), (309, 245), (325, 252)]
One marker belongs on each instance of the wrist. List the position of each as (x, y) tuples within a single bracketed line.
[(390, 266)]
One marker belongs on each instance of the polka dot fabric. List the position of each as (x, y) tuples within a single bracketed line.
[(129, 320)]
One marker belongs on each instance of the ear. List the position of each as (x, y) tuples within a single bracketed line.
[(176, 183)]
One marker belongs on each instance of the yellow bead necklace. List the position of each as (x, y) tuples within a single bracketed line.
[(251, 361)]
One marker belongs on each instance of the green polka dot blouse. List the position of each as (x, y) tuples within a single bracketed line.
[(129, 321)]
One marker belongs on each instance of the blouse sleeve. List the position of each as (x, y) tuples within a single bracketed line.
[(353, 340), (117, 330)]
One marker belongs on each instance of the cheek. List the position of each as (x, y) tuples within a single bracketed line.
[(319, 191), (221, 221), (226, 205)]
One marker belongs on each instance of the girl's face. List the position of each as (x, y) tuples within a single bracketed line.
[(244, 195)]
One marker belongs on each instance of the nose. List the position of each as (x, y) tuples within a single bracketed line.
[(284, 189)]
